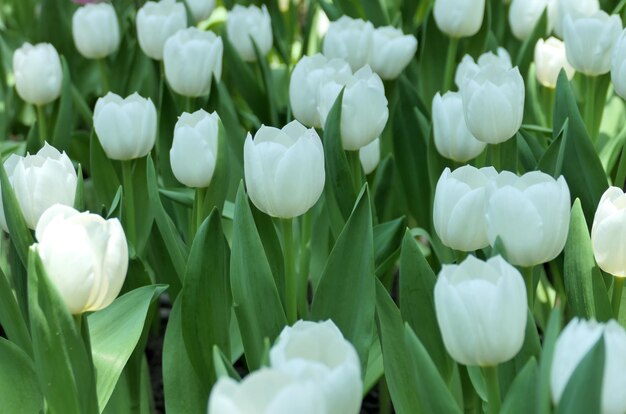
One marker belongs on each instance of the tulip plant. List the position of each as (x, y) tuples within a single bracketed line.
[(312, 206)]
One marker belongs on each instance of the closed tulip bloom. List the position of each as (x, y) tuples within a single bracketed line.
[(524, 15), (573, 344), (351, 40), (618, 66), (194, 150), (493, 102), (318, 352), (452, 138), (266, 391), (481, 310), (589, 42), (246, 24), (156, 22), (126, 127), (391, 52), (607, 232), (284, 169), (96, 30), (549, 60), (40, 181), (369, 156), (530, 214), (38, 74), (200, 9), (468, 67), (559, 9), (459, 207), (459, 18), (85, 256), (192, 58)]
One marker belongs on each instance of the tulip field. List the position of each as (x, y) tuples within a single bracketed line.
[(312, 206)]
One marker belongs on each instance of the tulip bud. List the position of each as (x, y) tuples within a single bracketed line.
[(459, 207), (306, 79), (481, 310), (126, 127), (576, 340), (524, 16), (559, 9), (192, 58), (459, 18), (85, 256), (589, 42), (549, 60), (618, 66), (530, 214), (246, 24), (391, 52), (364, 111), (493, 102), (39, 181), (607, 232), (194, 150), (369, 156), (266, 391), (156, 22), (468, 68), (452, 138), (200, 9), (38, 74), (284, 169), (96, 30), (318, 352), (349, 39)]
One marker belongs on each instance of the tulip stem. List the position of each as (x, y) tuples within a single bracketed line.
[(616, 299), (103, 76), (527, 272), (291, 284), (41, 119), (129, 204), (493, 389), (590, 107), (305, 260), (496, 156), (355, 168), (450, 64), (197, 213)]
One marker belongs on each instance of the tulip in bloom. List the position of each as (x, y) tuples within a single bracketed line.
[(194, 150), (318, 352), (306, 79), (459, 207), (39, 181), (247, 24), (156, 22), (524, 16), (558, 10), (351, 40), (96, 30), (589, 42), (549, 60), (459, 18), (530, 214), (284, 169), (618, 66), (607, 232), (200, 9), (38, 74), (468, 67), (576, 340), (391, 51), (481, 310), (452, 138), (369, 156), (192, 58), (85, 256), (126, 127)]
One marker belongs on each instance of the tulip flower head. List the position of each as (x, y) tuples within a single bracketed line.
[(459, 18), (468, 67), (524, 16), (247, 24), (200, 9), (550, 58), (392, 51), (38, 74), (95, 30), (351, 40), (618, 66), (607, 232), (156, 22)]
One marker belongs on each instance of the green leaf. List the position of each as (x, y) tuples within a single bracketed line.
[(521, 395), (143, 215), (223, 367), (375, 12), (168, 115), (114, 332), (257, 304), (19, 391), (11, 318), (218, 188), (102, 172), (61, 137), (387, 241), (526, 53), (551, 334), (79, 195), (346, 291)]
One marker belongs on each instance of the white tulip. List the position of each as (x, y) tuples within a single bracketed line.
[(459, 18), (40, 181), (126, 127), (200, 9), (192, 58), (306, 79), (369, 156), (351, 40), (524, 16), (246, 24), (85, 256), (460, 205), (481, 310), (284, 169), (618, 66), (558, 10), (38, 74), (576, 340), (530, 214), (391, 51), (194, 150), (607, 232), (95, 30), (318, 352), (549, 60), (156, 21), (452, 138), (589, 42), (468, 67)]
